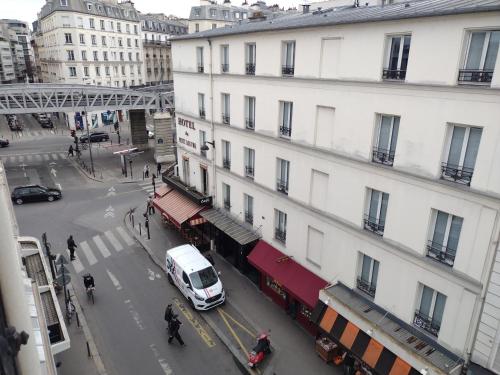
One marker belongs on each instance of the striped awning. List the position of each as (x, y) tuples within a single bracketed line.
[(197, 221), (176, 208), (162, 190)]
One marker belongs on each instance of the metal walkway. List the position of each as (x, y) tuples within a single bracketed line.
[(52, 97)]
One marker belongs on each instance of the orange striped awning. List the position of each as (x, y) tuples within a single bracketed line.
[(162, 190), (197, 221), (176, 207)]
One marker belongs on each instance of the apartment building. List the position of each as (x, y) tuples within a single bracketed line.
[(210, 15), (17, 34), (361, 145), (7, 72), (157, 29)]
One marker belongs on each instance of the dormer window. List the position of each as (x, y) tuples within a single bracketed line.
[(64, 3), (197, 12), (89, 6), (237, 15), (212, 12)]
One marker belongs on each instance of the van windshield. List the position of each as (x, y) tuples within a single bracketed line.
[(204, 278)]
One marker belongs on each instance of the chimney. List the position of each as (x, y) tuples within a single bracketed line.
[(305, 8)]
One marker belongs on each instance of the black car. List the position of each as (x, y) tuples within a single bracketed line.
[(95, 137), (46, 123), (4, 142), (34, 193)]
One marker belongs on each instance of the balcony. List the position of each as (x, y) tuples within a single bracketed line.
[(280, 235), (250, 69), (225, 119), (249, 171), (201, 69), (383, 156), (287, 70), (398, 75), (426, 323), (285, 131), (441, 253), (249, 218), (226, 163), (475, 76), (224, 68), (250, 124), (202, 114), (458, 174), (227, 204), (282, 186), (366, 287), (374, 225)]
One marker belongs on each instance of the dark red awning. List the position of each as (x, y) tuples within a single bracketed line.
[(296, 279)]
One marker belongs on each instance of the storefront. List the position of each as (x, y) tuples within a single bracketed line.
[(289, 284)]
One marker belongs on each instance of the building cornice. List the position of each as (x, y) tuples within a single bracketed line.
[(89, 14)]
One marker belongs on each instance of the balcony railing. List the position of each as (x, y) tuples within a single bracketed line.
[(201, 69), (249, 171), (285, 131), (282, 186), (226, 163), (287, 70), (202, 113), (459, 174), (475, 76), (441, 253), (225, 119), (250, 69), (227, 204), (224, 68), (248, 217), (374, 225), (426, 323), (383, 156), (394, 74), (250, 124), (366, 287), (280, 235)]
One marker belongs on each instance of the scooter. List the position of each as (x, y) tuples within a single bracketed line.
[(259, 352)]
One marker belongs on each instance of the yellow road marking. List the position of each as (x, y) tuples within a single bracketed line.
[(195, 323), (252, 334)]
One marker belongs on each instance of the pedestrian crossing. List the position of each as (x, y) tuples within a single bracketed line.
[(28, 133), (17, 160), (147, 187), (89, 252)]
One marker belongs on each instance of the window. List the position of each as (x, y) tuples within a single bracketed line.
[(97, 71), (112, 25), (136, 31), (105, 55), (84, 55), (91, 23), (82, 39), (137, 56), (129, 42), (368, 274), (201, 105), (131, 69), (283, 171), (250, 58), (197, 27), (67, 38), (130, 56), (245, 15), (103, 40), (429, 314), (226, 109), (127, 28), (286, 119), (120, 42), (203, 140), (121, 57), (197, 12), (71, 55), (185, 171), (96, 58), (237, 15), (248, 207), (214, 26), (481, 57), (115, 68), (72, 71), (137, 42), (224, 58), (199, 59), (106, 69), (86, 71), (101, 22), (64, 3), (94, 40), (123, 69), (250, 112), (444, 240), (139, 72), (249, 162), (226, 196), (226, 154), (119, 27), (288, 58), (280, 226), (212, 12), (376, 211), (397, 57), (386, 140)]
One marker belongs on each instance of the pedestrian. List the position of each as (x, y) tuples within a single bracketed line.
[(158, 169), (169, 313), (348, 364), (71, 246), (173, 330), (150, 206), (70, 150), (146, 170)]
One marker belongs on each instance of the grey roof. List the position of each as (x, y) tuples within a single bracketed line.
[(165, 26), (229, 226), (406, 335), (350, 15), (205, 12), (99, 8)]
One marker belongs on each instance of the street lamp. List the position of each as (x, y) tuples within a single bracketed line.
[(205, 147), (88, 131)]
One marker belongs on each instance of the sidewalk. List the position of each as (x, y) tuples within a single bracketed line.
[(247, 312)]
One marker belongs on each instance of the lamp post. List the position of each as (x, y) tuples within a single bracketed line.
[(88, 131)]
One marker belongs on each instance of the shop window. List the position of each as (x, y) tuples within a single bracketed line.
[(275, 286)]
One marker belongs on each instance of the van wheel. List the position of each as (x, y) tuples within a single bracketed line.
[(50, 198), (170, 279), (19, 201), (191, 303)]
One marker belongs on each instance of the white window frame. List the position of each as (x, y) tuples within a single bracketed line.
[(286, 114), (72, 71), (68, 38), (226, 106), (224, 50), (432, 304), (283, 173), (249, 160), (372, 261), (284, 57), (86, 72), (401, 45), (370, 193), (71, 55), (84, 55), (248, 48), (280, 222), (64, 3), (465, 142), (250, 110), (483, 52), (82, 38), (248, 207), (201, 103), (226, 196), (226, 151)]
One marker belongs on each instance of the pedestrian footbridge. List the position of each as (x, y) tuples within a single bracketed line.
[(52, 97)]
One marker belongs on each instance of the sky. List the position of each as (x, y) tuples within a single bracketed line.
[(26, 10)]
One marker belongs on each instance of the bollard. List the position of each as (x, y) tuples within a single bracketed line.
[(88, 350), (101, 175), (140, 230), (77, 319), (132, 220)]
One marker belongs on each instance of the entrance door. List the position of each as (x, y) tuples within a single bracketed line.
[(204, 180), (185, 171)]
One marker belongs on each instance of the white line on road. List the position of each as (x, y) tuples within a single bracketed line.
[(101, 246), (21, 158), (114, 280), (162, 361), (77, 265), (62, 155), (12, 159), (88, 253), (55, 157), (29, 157), (111, 237), (38, 157), (46, 157), (128, 240)]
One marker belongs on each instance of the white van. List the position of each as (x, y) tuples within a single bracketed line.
[(195, 277)]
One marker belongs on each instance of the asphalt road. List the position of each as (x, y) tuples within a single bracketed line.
[(131, 292)]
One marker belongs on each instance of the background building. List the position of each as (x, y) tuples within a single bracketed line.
[(367, 152), (7, 72), (18, 35)]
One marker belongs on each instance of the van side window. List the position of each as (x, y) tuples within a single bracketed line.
[(185, 278), (169, 263)]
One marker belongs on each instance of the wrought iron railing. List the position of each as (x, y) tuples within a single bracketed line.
[(287, 70), (224, 68), (201, 68), (374, 224), (383, 156), (366, 287), (248, 217), (280, 235), (394, 74), (250, 124), (226, 163), (282, 186), (202, 113), (441, 253), (457, 173), (475, 75), (249, 171), (250, 69), (285, 131), (225, 119), (426, 323)]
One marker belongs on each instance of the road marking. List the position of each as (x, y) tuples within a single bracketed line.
[(250, 333), (114, 280), (21, 158), (12, 159), (152, 275), (101, 246), (55, 157), (77, 265), (236, 337), (162, 361), (109, 212), (46, 157), (88, 253), (38, 157), (195, 323), (111, 238), (62, 155), (128, 240), (135, 315)]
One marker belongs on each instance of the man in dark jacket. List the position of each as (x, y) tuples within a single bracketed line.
[(173, 329), (71, 246), (169, 313)]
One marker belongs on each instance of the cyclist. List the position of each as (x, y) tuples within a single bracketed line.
[(88, 281)]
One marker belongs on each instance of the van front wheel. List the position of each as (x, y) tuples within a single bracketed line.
[(170, 279)]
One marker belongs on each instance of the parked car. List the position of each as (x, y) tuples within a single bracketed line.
[(4, 142), (14, 124), (95, 137), (34, 193), (46, 123)]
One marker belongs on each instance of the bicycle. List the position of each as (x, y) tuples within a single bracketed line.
[(70, 310), (90, 293), (88, 281)]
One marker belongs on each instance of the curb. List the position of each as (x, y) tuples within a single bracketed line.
[(242, 363), (81, 170)]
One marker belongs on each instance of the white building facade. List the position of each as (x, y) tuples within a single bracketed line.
[(367, 151)]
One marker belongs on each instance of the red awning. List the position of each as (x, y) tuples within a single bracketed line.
[(162, 190), (176, 207), (296, 279)]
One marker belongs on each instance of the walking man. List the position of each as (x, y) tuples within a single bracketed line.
[(173, 329), (158, 169), (150, 207), (70, 151), (169, 313), (146, 171), (71, 246)]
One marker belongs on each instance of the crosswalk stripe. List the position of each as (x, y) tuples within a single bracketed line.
[(88, 253), (128, 240), (12, 159), (101, 246), (55, 157), (62, 155), (52, 132), (112, 239), (77, 265), (29, 157), (21, 158), (38, 133), (38, 157), (46, 157)]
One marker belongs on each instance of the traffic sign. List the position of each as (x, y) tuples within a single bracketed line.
[(66, 279)]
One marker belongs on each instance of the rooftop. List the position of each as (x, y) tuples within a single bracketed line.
[(104, 8)]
